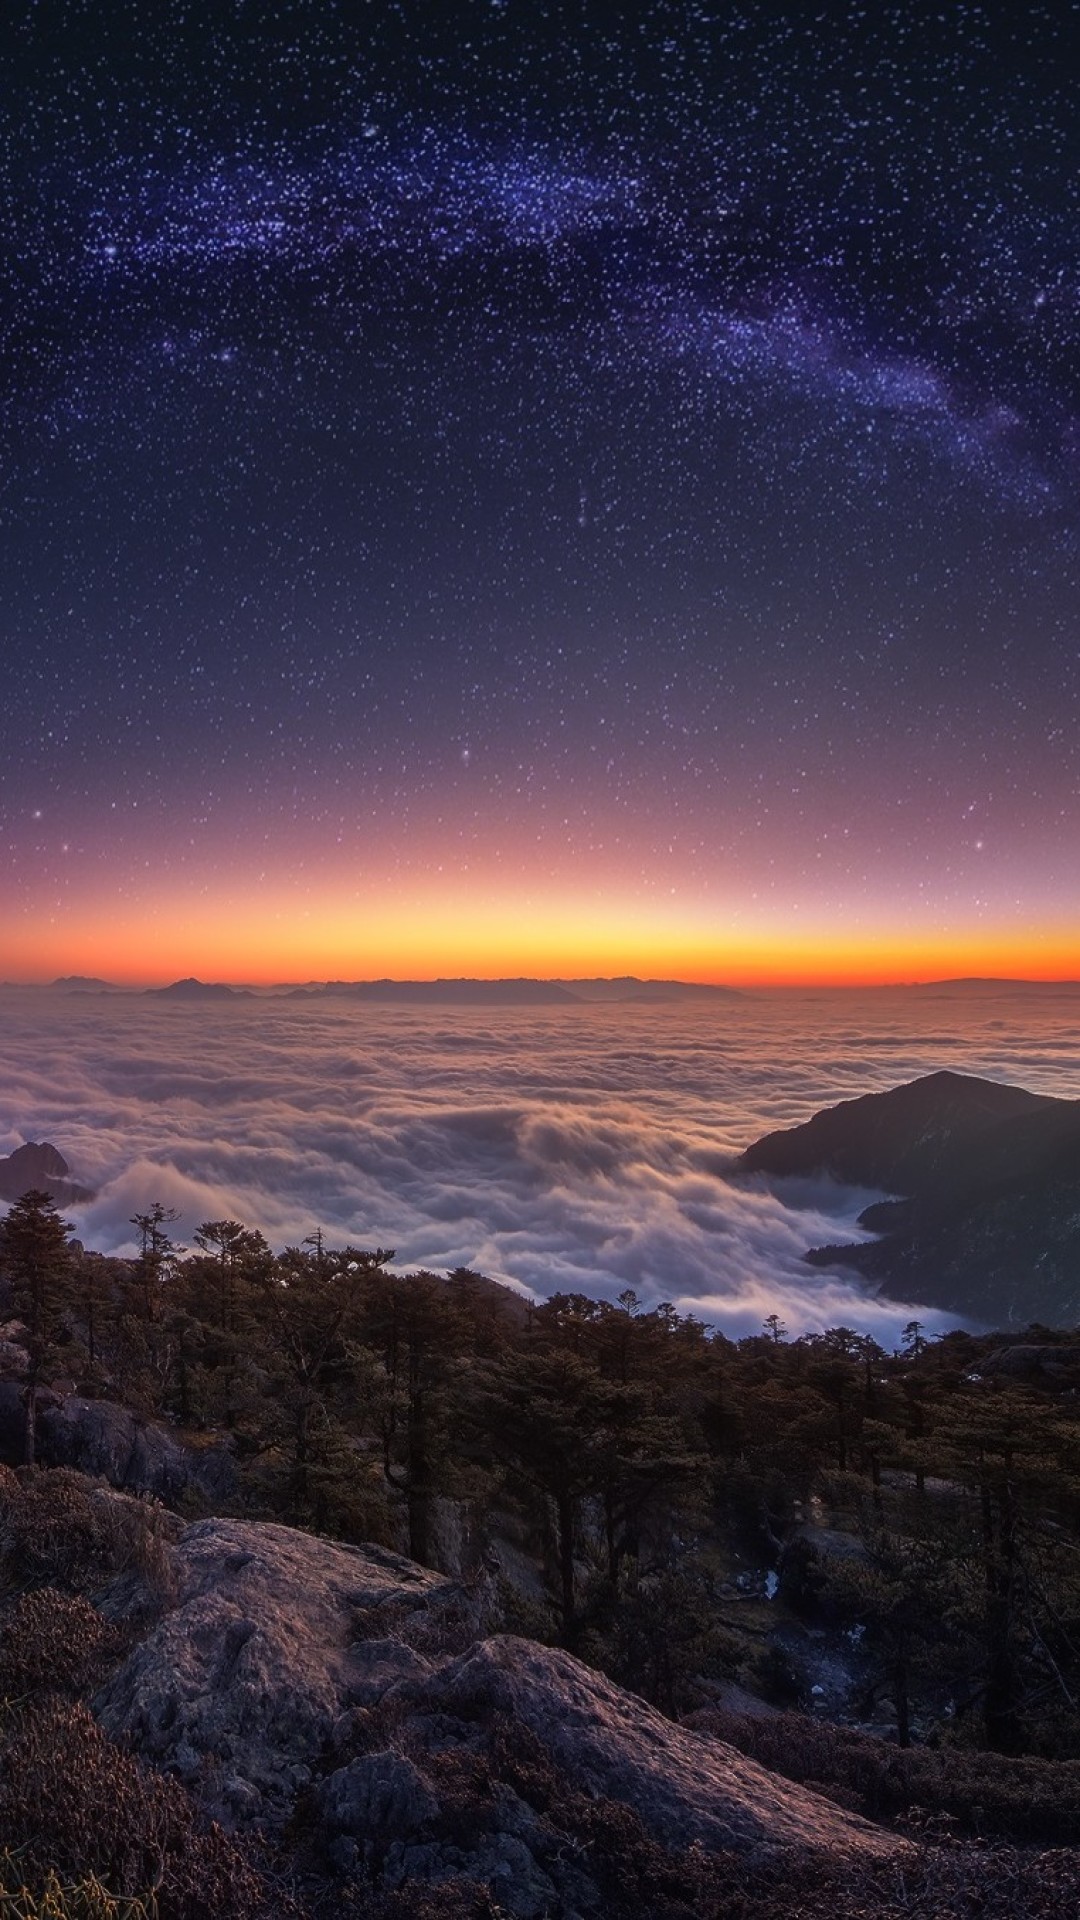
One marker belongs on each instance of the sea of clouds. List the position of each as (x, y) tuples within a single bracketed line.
[(581, 1149)]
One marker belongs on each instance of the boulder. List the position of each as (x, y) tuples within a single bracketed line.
[(109, 1442), (274, 1641), (375, 1800), (505, 1866)]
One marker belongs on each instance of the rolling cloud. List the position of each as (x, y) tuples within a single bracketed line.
[(583, 1150)]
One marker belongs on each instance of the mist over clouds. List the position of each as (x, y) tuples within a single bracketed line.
[(580, 1149)]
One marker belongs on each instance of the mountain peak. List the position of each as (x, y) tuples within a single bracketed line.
[(192, 989), (989, 1222), (37, 1163)]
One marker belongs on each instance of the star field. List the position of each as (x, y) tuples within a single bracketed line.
[(518, 483)]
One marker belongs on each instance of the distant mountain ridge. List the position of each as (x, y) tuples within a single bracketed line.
[(976, 983), (521, 992), (192, 989), (84, 983), (628, 987), (457, 993), (988, 1222)]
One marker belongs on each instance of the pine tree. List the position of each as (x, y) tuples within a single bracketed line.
[(36, 1260)]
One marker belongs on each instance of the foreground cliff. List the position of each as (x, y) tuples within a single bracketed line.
[(986, 1222)]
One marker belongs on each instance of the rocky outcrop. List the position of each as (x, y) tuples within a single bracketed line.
[(39, 1165), (109, 1442), (1056, 1367), (687, 1791), (275, 1641), (343, 1688), (988, 1224)]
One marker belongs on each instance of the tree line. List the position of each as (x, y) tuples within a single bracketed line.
[(635, 1470)]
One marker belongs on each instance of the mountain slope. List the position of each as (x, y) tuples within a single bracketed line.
[(988, 1220)]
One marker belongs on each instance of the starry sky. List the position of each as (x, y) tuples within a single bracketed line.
[(504, 487)]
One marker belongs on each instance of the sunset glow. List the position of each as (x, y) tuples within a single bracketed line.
[(253, 940)]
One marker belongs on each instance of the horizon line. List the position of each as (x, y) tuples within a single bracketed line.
[(814, 982)]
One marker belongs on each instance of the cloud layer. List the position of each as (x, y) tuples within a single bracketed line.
[(581, 1150)]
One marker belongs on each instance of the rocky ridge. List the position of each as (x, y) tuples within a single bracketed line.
[(294, 1679)]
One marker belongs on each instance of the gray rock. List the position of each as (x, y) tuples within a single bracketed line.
[(99, 1437), (519, 1885), (830, 1543), (429, 1860), (376, 1799), (257, 1663), (686, 1788), (280, 1649), (14, 1359), (378, 1664), (502, 1864), (107, 1441), (517, 1882)]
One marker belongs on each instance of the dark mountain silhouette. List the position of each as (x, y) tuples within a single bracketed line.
[(988, 1222), (192, 989), (446, 993), (896, 1140), (37, 1164), (84, 983), (655, 992), (513, 993), (976, 983)]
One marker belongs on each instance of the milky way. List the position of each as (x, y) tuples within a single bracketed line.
[(596, 462)]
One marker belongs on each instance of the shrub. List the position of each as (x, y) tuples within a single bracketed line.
[(55, 1642), (74, 1805), (57, 1528), (985, 1794)]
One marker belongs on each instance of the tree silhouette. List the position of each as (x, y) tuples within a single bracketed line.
[(36, 1259), (155, 1252)]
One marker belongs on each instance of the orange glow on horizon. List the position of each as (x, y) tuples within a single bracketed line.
[(250, 940)]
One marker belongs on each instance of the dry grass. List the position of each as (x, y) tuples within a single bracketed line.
[(53, 1642), (74, 1805), (84, 1899), (57, 1528)]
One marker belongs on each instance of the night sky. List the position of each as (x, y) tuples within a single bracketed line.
[(529, 488)]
